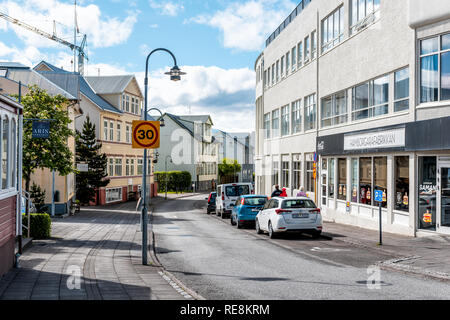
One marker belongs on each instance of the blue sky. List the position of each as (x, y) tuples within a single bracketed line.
[(215, 41)]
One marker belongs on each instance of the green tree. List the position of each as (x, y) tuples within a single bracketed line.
[(52, 153), (228, 168), (87, 151), (37, 195)]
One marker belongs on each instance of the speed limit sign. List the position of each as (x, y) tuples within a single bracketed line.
[(145, 134)]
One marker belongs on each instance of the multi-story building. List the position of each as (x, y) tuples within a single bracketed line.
[(352, 99), (112, 103), (189, 146), (238, 146)]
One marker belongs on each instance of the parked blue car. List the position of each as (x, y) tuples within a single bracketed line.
[(246, 208)]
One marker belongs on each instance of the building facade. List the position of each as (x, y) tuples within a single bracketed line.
[(352, 100), (10, 114), (189, 146)]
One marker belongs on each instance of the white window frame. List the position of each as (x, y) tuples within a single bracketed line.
[(11, 154), (370, 16), (330, 23), (111, 130), (296, 109), (109, 190), (310, 103), (119, 130), (285, 120)]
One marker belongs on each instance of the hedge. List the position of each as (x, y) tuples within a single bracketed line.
[(176, 180), (40, 225)]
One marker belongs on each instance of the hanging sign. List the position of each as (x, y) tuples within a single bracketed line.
[(41, 129)]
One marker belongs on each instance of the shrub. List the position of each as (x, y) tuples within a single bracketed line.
[(176, 181), (40, 225)]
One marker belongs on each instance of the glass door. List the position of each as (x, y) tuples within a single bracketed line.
[(444, 198), (323, 182)]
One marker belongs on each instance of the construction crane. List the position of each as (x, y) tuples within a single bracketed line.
[(80, 49)]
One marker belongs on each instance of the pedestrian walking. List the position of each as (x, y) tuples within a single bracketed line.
[(276, 192), (283, 193), (302, 192)]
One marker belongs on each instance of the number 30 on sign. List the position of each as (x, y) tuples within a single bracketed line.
[(146, 134)]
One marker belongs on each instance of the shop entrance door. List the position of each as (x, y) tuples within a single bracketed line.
[(443, 198)]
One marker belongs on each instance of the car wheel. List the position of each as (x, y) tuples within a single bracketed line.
[(238, 224), (232, 220), (258, 229), (272, 234)]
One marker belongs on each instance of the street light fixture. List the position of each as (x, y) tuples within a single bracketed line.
[(175, 75)]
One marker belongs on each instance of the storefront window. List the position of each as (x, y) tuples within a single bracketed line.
[(427, 193), (365, 181), (354, 180), (380, 177), (402, 183), (309, 176), (342, 179), (331, 178)]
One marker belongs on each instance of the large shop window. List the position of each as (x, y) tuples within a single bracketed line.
[(342, 179), (334, 109), (365, 180), (354, 179), (427, 193), (331, 178), (371, 99), (435, 69), (402, 183), (380, 177)]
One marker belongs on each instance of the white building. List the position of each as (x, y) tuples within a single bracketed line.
[(364, 85), (187, 144), (238, 146)]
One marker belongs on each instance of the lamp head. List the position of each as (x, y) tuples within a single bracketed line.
[(161, 122), (175, 73)]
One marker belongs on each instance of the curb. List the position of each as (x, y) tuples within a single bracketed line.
[(179, 286)]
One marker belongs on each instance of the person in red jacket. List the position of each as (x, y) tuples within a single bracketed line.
[(283, 193)]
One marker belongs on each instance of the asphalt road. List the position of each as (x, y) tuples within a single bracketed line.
[(221, 262)]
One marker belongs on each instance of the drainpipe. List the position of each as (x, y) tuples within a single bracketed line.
[(19, 179)]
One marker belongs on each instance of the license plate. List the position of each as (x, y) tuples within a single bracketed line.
[(300, 215), (255, 210)]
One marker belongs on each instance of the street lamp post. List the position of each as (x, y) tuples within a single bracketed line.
[(175, 75), (165, 170)]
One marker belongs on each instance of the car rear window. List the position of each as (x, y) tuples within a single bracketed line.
[(297, 203), (235, 191), (255, 201)]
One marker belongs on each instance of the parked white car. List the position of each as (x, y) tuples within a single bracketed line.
[(292, 214), (227, 194)]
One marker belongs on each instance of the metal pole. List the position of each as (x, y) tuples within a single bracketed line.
[(165, 174), (53, 193), (380, 218)]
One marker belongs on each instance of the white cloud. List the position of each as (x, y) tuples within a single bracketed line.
[(102, 31), (167, 8), (226, 94), (245, 26)]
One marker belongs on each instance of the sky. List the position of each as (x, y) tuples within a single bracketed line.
[(216, 42)]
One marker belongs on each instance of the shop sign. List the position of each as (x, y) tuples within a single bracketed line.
[(375, 140), (41, 129)]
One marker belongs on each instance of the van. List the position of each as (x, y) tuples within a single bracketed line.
[(227, 194)]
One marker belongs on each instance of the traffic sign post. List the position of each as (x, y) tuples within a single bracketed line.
[(146, 134), (379, 198)]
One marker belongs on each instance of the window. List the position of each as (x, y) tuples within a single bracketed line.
[(105, 130), (127, 103), (275, 173), (128, 133), (313, 44), (111, 167), (310, 112), (297, 174), (273, 74), (365, 180), (132, 105), (333, 29), (342, 179), (118, 167), (427, 189), (299, 54), (140, 166), (306, 57), (267, 125), (294, 58), (131, 167), (402, 183), (123, 101), (268, 77), (114, 194), (285, 120), (380, 177), (127, 167), (334, 109), (331, 178), (296, 117), (435, 69), (288, 61), (275, 123), (278, 71), (354, 178), (370, 99), (5, 152), (401, 90), (282, 66), (111, 130), (363, 12), (309, 176), (285, 173), (119, 130), (13, 154)]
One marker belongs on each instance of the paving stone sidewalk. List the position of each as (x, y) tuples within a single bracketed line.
[(427, 256), (99, 249)]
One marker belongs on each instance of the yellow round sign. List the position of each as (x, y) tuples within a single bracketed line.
[(146, 134)]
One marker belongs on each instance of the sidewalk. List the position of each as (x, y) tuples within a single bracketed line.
[(426, 256), (172, 196), (99, 249)]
